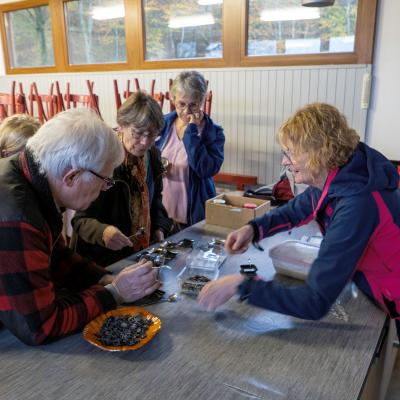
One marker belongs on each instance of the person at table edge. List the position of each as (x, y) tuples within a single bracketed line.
[(354, 198)]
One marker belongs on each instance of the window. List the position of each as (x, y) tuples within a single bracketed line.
[(29, 37), (100, 35), (190, 29), (95, 31), (285, 27)]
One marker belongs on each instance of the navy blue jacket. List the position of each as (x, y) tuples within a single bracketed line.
[(205, 156), (358, 212)]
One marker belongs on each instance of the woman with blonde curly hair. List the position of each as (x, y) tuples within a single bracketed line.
[(354, 198)]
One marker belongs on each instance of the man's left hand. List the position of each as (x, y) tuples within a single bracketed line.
[(106, 279)]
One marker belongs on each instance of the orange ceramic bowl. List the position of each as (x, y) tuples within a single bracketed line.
[(93, 328)]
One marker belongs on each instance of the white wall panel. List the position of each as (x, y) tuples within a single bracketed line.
[(383, 127), (250, 103)]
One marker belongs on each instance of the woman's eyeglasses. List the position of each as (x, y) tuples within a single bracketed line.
[(191, 107), (286, 155), (137, 136), (108, 182)]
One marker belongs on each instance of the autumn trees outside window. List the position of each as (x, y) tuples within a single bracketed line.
[(29, 38), (95, 31), (175, 30), (285, 27), (95, 35)]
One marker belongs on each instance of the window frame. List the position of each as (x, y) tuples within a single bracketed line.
[(5, 8), (177, 63), (118, 66), (234, 37), (363, 45)]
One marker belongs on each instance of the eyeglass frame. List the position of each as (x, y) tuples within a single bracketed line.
[(109, 182), (191, 107), (139, 136), (286, 155)]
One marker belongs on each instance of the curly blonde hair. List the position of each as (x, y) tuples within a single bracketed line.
[(320, 130)]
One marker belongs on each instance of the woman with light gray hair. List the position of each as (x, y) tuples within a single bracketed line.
[(49, 291), (194, 147)]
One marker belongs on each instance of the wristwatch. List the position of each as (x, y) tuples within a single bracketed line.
[(249, 271)]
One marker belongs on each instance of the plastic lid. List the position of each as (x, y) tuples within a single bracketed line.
[(219, 201), (295, 252)]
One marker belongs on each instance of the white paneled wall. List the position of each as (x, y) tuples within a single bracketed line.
[(250, 103)]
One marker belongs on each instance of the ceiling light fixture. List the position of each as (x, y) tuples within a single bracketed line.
[(191, 20), (317, 3), (289, 14), (111, 12), (209, 2)]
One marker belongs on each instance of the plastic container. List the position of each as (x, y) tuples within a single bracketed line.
[(293, 258), (189, 280), (201, 267)]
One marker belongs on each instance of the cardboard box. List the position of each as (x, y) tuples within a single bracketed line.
[(232, 214)]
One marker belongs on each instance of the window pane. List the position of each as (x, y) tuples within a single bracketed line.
[(95, 31), (187, 29), (29, 38), (285, 27)]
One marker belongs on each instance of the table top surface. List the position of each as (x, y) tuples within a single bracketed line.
[(238, 352)]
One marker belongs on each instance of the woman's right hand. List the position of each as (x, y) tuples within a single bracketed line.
[(238, 241), (114, 239)]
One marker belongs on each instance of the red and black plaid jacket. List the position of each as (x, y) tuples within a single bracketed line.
[(46, 290)]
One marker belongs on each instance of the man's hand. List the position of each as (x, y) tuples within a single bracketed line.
[(216, 293), (136, 281), (238, 241), (114, 239), (106, 279)]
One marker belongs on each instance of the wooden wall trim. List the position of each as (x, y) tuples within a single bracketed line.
[(234, 42)]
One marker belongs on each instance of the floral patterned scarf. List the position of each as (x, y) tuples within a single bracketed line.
[(140, 204)]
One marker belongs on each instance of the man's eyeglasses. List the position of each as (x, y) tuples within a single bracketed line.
[(108, 182)]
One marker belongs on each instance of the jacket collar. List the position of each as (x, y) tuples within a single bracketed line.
[(40, 185)]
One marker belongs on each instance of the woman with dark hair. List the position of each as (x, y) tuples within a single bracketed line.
[(129, 216)]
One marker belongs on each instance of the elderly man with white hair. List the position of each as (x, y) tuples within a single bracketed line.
[(46, 290)]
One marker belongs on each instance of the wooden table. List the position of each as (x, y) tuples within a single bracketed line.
[(239, 352)]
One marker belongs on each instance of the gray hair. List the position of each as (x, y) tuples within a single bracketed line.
[(191, 83), (141, 111), (75, 139)]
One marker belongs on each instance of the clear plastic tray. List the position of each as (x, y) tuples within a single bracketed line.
[(192, 279), (293, 258), (201, 267)]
